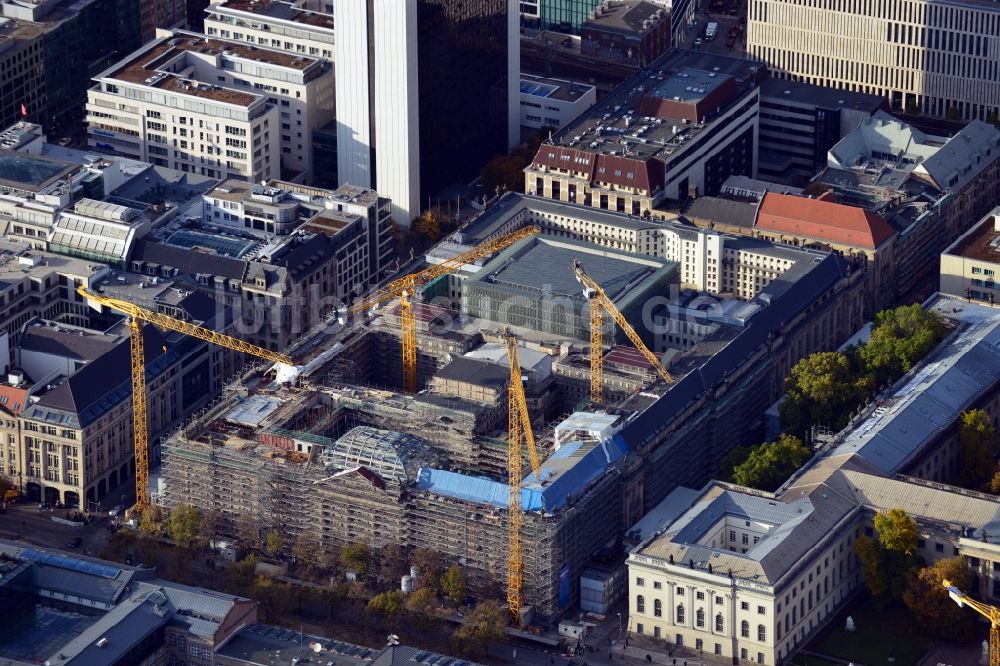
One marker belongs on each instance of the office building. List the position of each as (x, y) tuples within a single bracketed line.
[(155, 14), (935, 57), (800, 122), (212, 107), (677, 129), (557, 15), (67, 609), (634, 32), (303, 27), (859, 235), (50, 49), (930, 189), (547, 102), (71, 441), (431, 94), (969, 265)]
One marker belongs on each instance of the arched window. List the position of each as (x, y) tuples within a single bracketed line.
[(761, 633), (745, 629), (699, 617), (680, 613), (657, 608), (640, 604), (718, 622)]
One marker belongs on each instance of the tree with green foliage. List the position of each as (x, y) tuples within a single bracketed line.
[(900, 338), (889, 559), (387, 603), (240, 576), (769, 465), (422, 601), (977, 448), (273, 543), (154, 521), (822, 388), (355, 557), (736, 456), (896, 531), (935, 612), (484, 624), (453, 583), (183, 524)]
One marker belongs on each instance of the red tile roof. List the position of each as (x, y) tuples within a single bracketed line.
[(13, 398), (822, 220)]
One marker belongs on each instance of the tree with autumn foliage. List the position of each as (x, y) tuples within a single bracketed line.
[(889, 558), (935, 612)]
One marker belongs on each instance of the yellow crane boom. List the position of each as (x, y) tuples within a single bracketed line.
[(140, 418), (405, 289), (519, 427), (600, 303), (991, 613)]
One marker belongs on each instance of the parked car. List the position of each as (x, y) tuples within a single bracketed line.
[(115, 511), (75, 542), (65, 141)]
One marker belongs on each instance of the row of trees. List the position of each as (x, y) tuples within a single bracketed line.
[(371, 605), (826, 387), (894, 572)]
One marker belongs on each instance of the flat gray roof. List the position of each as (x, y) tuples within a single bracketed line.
[(798, 92)]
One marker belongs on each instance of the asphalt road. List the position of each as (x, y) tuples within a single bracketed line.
[(34, 526)]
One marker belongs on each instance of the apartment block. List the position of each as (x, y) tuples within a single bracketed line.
[(216, 108), (679, 128), (937, 57)]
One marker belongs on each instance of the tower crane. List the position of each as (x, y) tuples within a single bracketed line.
[(599, 303), (991, 613), (519, 426), (405, 289), (140, 419)]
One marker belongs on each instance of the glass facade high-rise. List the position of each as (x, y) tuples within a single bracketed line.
[(429, 97), (462, 73), (559, 15)]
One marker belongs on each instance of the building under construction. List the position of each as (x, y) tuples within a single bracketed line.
[(331, 464), (342, 455)]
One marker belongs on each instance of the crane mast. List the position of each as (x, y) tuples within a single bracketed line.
[(991, 613), (406, 290), (519, 427), (599, 304), (140, 415)]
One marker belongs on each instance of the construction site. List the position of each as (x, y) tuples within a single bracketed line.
[(402, 422)]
